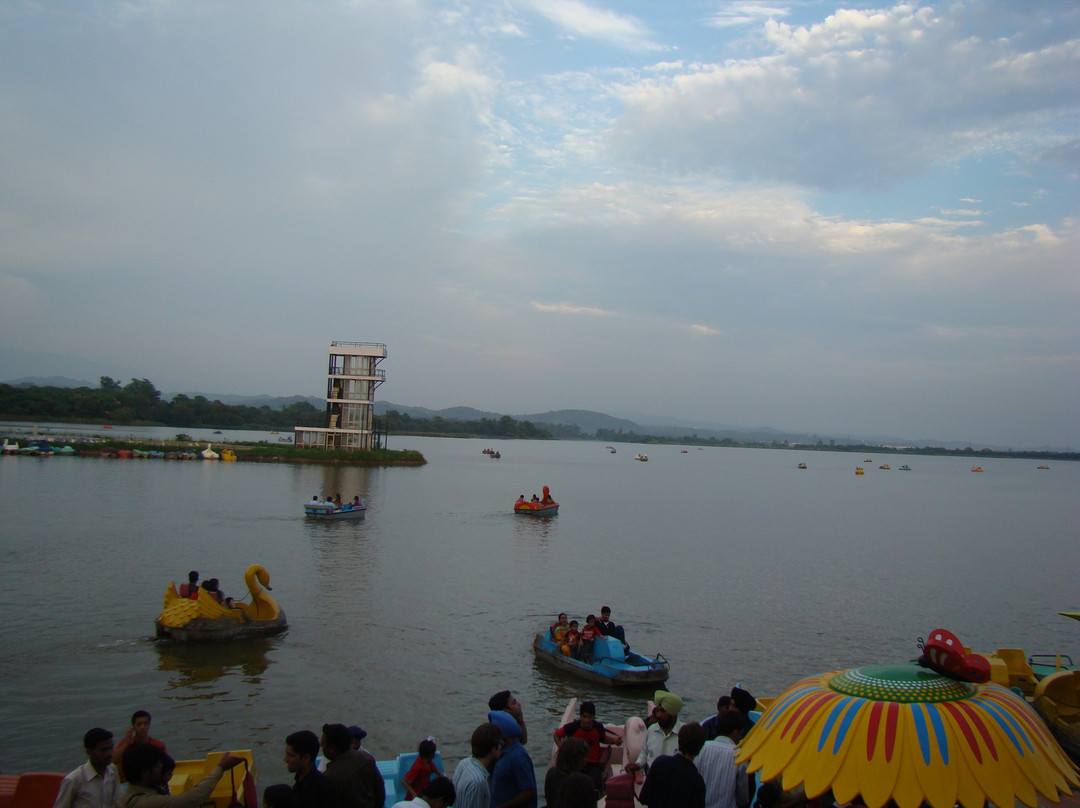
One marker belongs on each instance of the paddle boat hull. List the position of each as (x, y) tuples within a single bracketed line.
[(610, 664), (528, 509), (320, 510)]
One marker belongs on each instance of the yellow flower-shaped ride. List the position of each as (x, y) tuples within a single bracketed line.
[(907, 734)]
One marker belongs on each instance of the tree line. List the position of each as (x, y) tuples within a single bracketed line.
[(140, 403)]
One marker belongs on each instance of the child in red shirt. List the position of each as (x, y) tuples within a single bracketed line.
[(419, 775), (588, 634)]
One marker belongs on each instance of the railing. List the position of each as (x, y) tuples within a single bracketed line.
[(374, 373), (340, 344)]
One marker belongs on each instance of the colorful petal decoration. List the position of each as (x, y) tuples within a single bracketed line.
[(908, 734)]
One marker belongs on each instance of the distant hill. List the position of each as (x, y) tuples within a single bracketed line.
[(450, 413), (587, 420)]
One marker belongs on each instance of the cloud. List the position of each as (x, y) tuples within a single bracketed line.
[(863, 99), (739, 13), (566, 308), (583, 20)]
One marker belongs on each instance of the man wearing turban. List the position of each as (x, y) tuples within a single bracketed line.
[(662, 736)]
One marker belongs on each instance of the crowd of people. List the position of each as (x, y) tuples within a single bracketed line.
[(680, 765)]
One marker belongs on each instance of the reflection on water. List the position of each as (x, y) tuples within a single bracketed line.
[(534, 528), (198, 664)]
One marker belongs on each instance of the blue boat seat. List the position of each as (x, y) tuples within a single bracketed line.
[(393, 771), (608, 648)]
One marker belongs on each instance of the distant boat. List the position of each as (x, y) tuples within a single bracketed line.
[(905, 467), (642, 457), (859, 471), (1042, 467), (885, 466), (976, 468), (802, 465), (208, 453)]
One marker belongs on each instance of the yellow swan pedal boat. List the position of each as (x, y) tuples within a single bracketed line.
[(205, 619)]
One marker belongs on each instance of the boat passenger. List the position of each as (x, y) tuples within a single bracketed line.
[(211, 587), (520, 500), (419, 775), (357, 502), (191, 588), (337, 499), (609, 628), (573, 639), (96, 783), (588, 637), (558, 631)]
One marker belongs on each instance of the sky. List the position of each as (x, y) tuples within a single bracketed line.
[(852, 220)]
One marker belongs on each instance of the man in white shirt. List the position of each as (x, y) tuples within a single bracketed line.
[(726, 784), (662, 736), (96, 783)]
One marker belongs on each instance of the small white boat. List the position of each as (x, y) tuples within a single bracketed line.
[(208, 453), (642, 457)]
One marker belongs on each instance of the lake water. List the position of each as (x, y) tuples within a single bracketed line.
[(733, 563)]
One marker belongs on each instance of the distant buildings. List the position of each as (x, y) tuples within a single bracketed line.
[(350, 398)]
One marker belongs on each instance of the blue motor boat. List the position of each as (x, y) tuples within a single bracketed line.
[(611, 664)]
